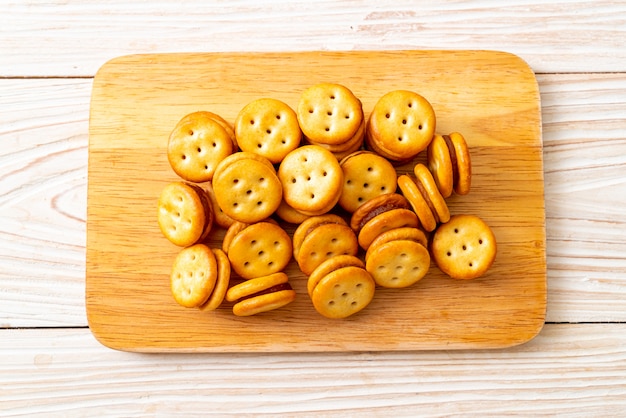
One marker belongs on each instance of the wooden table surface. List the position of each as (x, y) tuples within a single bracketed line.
[(50, 363)]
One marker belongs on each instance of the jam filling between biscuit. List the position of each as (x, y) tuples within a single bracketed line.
[(377, 211), (455, 164), (426, 197), (272, 289)]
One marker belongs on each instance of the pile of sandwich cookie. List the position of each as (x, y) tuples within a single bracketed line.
[(325, 172)]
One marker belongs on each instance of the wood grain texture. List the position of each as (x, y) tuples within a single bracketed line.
[(74, 38), (568, 370), (138, 99), (579, 111)]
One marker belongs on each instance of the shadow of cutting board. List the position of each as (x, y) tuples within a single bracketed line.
[(490, 97)]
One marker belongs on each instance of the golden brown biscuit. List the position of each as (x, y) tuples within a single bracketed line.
[(184, 213), (440, 165), (247, 190), (193, 276), (329, 113), (219, 216), (375, 206), (215, 117), (260, 249), (289, 214), (418, 202), (402, 233), (401, 125), (261, 294), (386, 221), (463, 166), (330, 265), (268, 127), (311, 179), (221, 285), (343, 292), (196, 146), (428, 187), (464, 247), (398, 263), (366, 175), (324, 240), (309, 224)]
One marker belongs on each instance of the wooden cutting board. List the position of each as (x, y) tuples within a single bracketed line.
[(490, 97)]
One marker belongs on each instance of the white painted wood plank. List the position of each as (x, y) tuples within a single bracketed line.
[(573, 370), (69, 38), (43, 180)]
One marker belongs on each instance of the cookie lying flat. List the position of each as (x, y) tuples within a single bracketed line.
[(268, 127), (398, 263), (366, 175), (247, 188), (193, 276), (261, 294), (258, 249), (320, 238), (464, 247), (401, 125), (184, 213), (196, 145), (311, 179)]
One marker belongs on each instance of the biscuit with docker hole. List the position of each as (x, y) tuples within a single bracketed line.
[(329, 113), (268, 127), (343, 292), (259, 249), (196, 146), (322, 238), (403, 233), (311, 179), (329, 265), (450, 164), (221, 284), (193, 275), (398, 263), (342, 150), (184, 213), (247, 189), (374, 206), (366, 175), (401, 124), (464, 248), (217, 118), (261, 294)]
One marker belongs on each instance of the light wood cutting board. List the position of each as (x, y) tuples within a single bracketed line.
[(490, 97)]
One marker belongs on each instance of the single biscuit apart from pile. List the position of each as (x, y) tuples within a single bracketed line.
[(464, 247)]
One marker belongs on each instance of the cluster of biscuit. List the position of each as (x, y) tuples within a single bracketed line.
[(328, 170)]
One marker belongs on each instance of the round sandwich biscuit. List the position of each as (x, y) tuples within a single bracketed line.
[(220, 218), (261, 294), (330, 265), (196, 146), (323, 240), (403, 233), (418, 202), (247, 190), (398, 263), (268, 127), (311, 179), (366, 175), (440, 165), (259, 249), (464, 247), (374, 206), (289, 214), (343, 292), (401, 125), (193, 276), (184, 213), (221, 284), (215, 117), (329, 113), (463, 165), (311, 223), (386, 221)]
